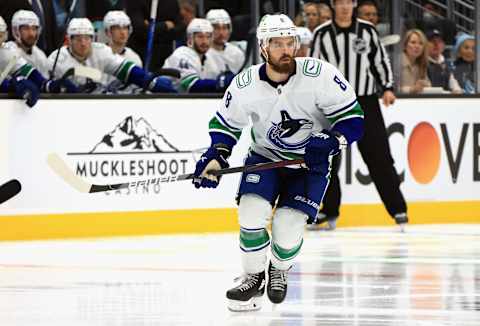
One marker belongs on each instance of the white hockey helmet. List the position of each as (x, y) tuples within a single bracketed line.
[(305, 35), (278, 25), (199, 25), (80, 26), (24, 18), (3, 30), (219, 16), (117, 18)]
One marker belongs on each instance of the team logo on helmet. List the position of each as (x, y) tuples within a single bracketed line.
[(290, 134)]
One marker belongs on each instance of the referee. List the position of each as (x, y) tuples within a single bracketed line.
[(353, 46)]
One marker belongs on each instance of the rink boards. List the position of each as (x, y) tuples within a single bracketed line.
[(435, 144)]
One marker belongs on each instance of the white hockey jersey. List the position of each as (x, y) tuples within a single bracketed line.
[(230, 59), (315, 97), (11, 59), (101, 58), (36, 58), (191, 67), (132, 56)]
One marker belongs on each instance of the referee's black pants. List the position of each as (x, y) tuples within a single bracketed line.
[(375, 151)]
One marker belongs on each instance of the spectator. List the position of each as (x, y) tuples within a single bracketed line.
[(169, 27), (312, 16), (324, 13), (414, 76), (305, 41), (51, 37), (367, 10), (228, 57), (198, 73), (26, 31), (438, 70), (464, 64), (187, 11), (82, 51)]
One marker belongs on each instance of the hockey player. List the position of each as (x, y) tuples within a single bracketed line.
[(300, 108), (82, 51), (227, 56), (118, 28), (21, 78), (199, 73), (305, 41), (26, 30)]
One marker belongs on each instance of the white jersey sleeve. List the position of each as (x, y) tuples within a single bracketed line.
[(187, 61), (334, 96), (101, 58), (36, 57), (232, 115), (10, 59), (230, 59), (132, 56)]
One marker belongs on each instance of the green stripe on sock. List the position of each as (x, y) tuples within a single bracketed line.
[(253, 239), (285, 254)]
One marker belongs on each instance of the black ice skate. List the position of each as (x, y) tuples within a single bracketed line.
[(248, 295), (277, 284), (401, 219)]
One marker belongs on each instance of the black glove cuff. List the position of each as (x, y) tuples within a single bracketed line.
[(223, 150)]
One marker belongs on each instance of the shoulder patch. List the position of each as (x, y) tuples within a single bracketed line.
[(312, 68), (244, 78)]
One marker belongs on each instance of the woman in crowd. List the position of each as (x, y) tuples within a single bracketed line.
[(414, 77), (463, 66)]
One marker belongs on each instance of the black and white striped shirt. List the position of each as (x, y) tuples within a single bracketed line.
[(357, 52)]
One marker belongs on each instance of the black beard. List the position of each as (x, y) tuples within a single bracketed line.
[(283, 68)]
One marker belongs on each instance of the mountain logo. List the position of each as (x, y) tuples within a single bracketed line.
[(132, 135)]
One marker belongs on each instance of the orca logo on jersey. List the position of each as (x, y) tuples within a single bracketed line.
[(284, 134)]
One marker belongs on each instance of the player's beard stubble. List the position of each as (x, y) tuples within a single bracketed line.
[(282, 65)]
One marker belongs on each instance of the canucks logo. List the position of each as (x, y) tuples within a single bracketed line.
[(290, 134)]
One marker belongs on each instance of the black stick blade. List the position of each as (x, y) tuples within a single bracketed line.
[(9, 190)]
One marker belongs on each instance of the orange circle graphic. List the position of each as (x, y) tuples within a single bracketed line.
[(424, 153)]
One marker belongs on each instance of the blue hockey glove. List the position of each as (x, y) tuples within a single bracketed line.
[(25, 89), (215, 158), (320, 146), (161, 85), (224, 80), (60, 86)]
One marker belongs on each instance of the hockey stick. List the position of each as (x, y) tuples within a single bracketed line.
[(64, 172), (84, 71), (151, 34), (9, 190), (390, 39), (65, 23)]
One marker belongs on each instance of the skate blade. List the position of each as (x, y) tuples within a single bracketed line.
[(253, 304)]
